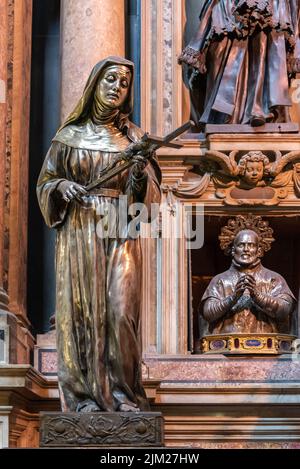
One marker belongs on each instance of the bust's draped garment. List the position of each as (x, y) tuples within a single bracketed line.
[(98, 280), (246, 51), (247, 316)]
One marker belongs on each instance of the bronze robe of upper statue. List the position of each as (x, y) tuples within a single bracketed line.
[(245, 52), (246, 316), (98, 280)]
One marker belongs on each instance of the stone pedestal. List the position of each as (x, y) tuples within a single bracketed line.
[(206, 401), (125, 429), (212, 401)]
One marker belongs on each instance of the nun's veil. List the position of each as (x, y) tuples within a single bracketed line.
[(82, 110), (78, 119)]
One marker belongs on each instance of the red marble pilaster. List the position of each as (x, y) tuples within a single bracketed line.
[(19, 63), (15, 63), (3, 117)]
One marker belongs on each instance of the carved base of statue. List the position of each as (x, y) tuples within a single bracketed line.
[(241, 344), (94, 429)]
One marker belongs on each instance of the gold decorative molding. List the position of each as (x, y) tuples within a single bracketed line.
[(254, 344)]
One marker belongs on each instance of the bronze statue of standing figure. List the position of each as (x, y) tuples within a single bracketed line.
[(243, 57), (98, 279)]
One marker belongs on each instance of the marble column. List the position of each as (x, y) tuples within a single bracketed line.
[(3, 93), (90, 31)]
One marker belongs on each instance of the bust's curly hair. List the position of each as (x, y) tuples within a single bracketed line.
[(254, 156), (246, 222)]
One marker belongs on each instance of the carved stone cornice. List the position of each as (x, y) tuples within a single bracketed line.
[(221, 176), (247, 142), (27, 381)]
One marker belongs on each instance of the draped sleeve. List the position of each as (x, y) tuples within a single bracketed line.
[(194, 53), (297, 32), (52, 205), (293, 41), (145, 189), (153, 191)]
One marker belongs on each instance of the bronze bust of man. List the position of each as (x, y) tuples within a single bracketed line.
[(247, 298)]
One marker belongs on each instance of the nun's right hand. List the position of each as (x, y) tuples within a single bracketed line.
[(70, 190)]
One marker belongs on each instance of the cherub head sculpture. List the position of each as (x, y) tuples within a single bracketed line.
[(253, 167)]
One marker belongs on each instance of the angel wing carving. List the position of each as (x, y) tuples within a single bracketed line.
[(283, 160), (227, 163)]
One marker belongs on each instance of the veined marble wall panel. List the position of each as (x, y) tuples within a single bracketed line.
[(4, 427), (173, 264), (4, 340), (150, 318), (163, 95)]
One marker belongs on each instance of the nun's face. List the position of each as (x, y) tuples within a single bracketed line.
[(113, 86)]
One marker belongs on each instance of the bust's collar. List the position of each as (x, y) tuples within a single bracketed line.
[(255, 266)]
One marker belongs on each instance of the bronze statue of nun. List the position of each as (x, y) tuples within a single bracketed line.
[(98, 279)]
